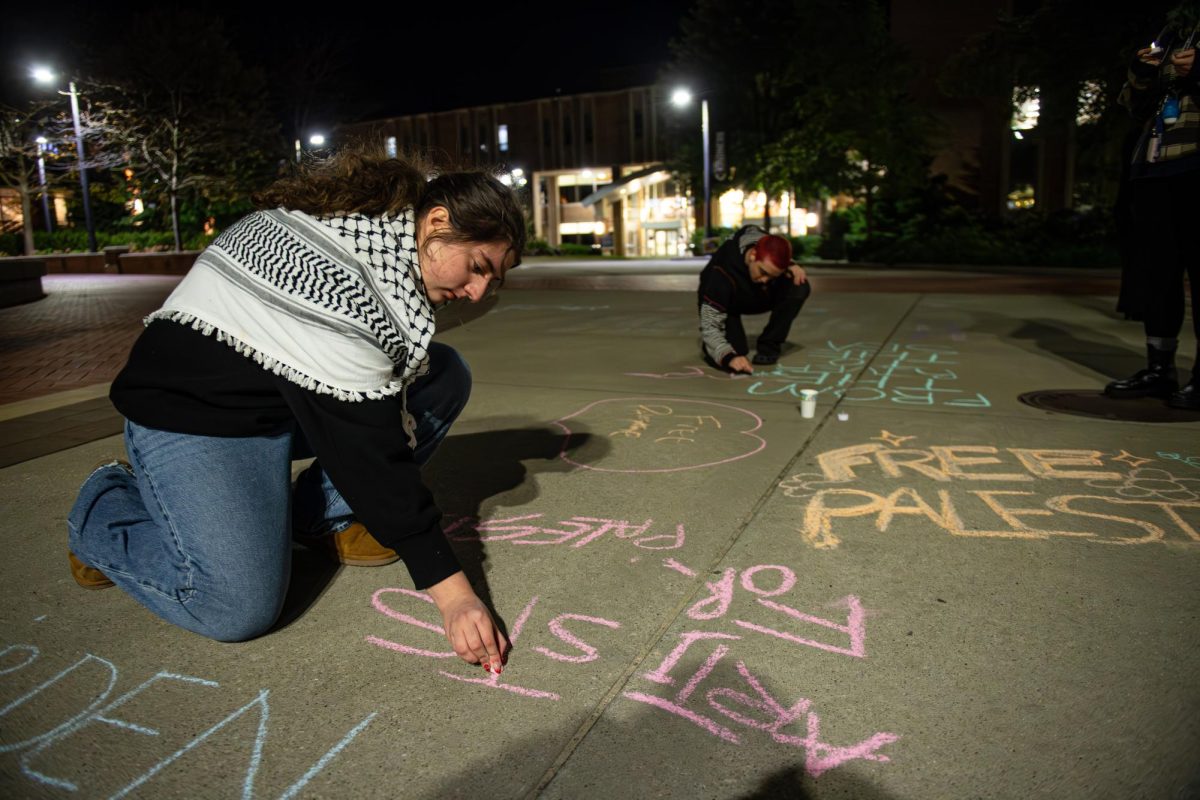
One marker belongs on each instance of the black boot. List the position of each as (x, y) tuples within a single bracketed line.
[(1189, 396), (1158, 379)]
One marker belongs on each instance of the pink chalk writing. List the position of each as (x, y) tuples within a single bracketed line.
[(739, 707), (492, 681), (671, 563), (702, 696), (559, 630), (729, 433), (575, 532), (687, 372), (557, 627), (721, 593), (382, 608), (662, 674)]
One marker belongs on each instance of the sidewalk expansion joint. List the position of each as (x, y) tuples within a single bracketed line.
[(690, 598)]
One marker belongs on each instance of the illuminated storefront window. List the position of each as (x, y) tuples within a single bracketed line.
[(1026, 108)]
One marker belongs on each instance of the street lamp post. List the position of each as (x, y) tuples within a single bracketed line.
[(42, 144), (43, 75), (316, 140), (682, 97), (707, 169)]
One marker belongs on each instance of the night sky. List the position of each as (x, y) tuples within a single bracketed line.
[(398, 57)]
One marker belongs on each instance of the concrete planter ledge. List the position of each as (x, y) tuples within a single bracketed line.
[(112, 260), (170, 263), (21, 280)]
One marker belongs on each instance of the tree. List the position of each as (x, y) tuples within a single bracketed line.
[(811, 95), (191, 117), (313, 83), (1073, 56), (18, 162)]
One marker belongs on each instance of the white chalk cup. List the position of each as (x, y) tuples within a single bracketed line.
[(808, 403)]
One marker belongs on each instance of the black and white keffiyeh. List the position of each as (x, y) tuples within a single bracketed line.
[(336, 305)]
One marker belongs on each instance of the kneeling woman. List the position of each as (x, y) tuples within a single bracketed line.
[(303, 330)]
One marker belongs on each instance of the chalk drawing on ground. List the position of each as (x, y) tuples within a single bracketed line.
[(144, 725), (1008, 492), (573, 532), (906, 374), (661, 434), (733, 704)]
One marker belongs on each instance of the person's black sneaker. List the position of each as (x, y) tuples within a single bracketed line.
[(1188, 397), (763, 359)]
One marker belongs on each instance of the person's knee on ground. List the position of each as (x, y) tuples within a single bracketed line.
[(234, 619)]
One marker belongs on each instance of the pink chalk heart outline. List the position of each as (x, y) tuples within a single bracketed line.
[(747, 432)]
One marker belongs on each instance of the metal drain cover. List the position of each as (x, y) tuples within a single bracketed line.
[(1090, 403)]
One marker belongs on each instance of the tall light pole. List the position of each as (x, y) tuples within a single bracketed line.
[(42, 145), (43, 75), (682, 97)]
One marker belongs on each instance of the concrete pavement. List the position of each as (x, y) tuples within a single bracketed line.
[(930, 590)]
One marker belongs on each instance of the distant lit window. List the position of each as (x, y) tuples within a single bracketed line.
[(581, 228), (1022, 197), (391, 146), (1090, 102), (502, 138), (1026, 107)]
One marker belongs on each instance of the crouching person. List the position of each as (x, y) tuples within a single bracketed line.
[(750, 273), (303, 330)]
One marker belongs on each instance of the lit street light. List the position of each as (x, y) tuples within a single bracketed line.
[(43, 75), (42, 145), (682, 97), (316, 140)]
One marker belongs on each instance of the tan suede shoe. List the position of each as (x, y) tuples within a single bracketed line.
[(85, 576), (354, 546)]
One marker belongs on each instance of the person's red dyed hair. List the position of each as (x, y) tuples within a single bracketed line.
[(775, 249)]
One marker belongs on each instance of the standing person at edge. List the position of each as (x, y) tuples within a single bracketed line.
[(1165, 171), (751, 273), (303, 330)]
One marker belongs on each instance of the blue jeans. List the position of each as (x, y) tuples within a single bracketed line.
[(200, 531)]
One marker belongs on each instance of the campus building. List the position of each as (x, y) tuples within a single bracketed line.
[(593, 164)]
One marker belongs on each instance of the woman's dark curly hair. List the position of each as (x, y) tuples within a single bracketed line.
[(363, 179)]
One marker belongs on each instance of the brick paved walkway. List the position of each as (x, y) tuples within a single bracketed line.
[(79, 335)]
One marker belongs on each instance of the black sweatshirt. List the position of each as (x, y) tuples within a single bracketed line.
[(179, 380)]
